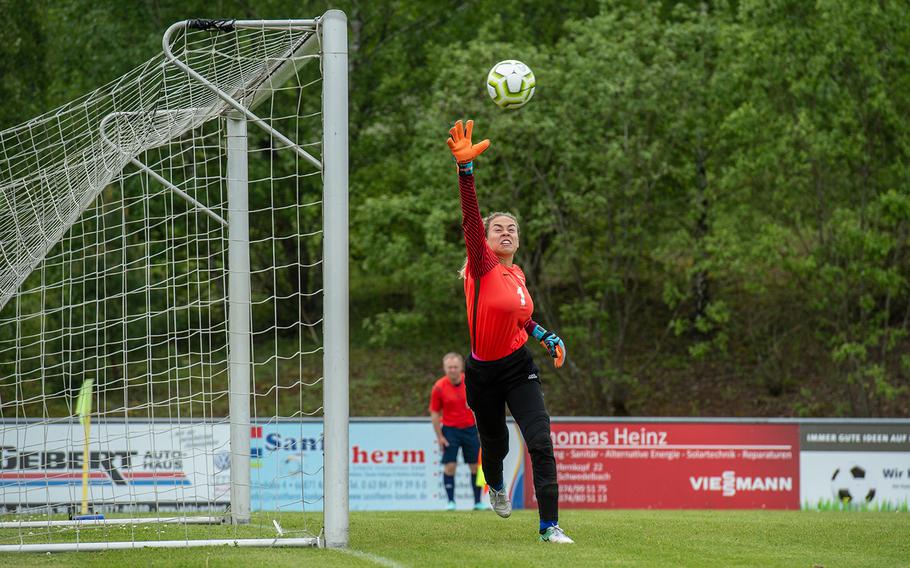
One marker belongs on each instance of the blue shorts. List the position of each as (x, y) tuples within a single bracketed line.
[(465, 438)]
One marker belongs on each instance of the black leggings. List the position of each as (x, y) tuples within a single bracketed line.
[(513, 380)]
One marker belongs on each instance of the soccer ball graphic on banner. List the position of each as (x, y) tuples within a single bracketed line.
[(511, 84), (852, 485)]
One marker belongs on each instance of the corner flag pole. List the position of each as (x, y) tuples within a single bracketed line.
[(84, 410), (481, 478)]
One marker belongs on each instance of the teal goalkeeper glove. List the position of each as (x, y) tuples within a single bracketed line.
[(550, 341)]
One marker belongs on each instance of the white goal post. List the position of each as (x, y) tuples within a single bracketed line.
[(173, 276)]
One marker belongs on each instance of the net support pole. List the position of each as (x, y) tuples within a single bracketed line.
[(239, 316), (335, 251)]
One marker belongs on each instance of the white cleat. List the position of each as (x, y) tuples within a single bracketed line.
[(499, 501), (556, 536)]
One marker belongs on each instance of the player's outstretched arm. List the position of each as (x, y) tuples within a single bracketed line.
[(480, 258), (549, 340)]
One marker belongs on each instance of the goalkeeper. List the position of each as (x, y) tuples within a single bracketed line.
[(500, 370)]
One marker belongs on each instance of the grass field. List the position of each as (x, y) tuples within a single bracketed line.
[(604, 538)]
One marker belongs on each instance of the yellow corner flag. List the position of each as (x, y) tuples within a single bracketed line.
[(84, 410), (84, 402), (481, 480)]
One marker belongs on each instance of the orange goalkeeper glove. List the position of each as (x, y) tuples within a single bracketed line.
[(460, 143), (550, 341)]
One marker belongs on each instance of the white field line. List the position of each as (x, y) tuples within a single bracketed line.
[(374, 558)]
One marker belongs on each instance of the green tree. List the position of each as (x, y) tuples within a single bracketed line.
[(818, 134), (22, 62)]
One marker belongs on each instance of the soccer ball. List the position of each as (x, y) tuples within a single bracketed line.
[(852, 485), (511, 84)]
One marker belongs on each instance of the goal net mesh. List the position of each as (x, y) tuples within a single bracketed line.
[(114, 267)]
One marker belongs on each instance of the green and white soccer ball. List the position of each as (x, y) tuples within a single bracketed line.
[(511, 84)]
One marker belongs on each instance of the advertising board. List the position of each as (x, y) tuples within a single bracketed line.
[(394, 465), (144, 465), (849, 465), (673, 465)]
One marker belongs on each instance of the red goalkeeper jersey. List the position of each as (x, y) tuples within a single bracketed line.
[(503, 303)]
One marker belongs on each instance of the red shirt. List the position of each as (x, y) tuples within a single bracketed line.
[(452, 402), (504, 303)]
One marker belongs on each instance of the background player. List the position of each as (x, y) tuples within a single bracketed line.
[(454, 424)]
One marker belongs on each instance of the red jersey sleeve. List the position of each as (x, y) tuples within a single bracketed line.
[(436, 400), (481, 259)]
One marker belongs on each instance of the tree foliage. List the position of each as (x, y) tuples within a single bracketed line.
[(714, 197)]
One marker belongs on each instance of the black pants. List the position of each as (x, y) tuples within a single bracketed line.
[(513, 380)]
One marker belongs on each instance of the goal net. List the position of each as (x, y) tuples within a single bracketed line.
[(173, 278)]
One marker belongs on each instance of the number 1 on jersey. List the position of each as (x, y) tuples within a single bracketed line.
[(521, 294)]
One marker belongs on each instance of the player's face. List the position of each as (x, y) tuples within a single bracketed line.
[(452, 368), (502, 236)]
